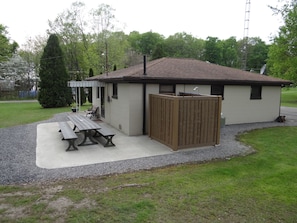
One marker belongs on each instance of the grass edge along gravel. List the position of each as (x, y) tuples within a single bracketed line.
[(255, 188), (13, 114)]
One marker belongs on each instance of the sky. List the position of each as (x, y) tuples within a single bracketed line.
[(200, 18)]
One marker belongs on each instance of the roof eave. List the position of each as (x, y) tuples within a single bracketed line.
[(146, 79)]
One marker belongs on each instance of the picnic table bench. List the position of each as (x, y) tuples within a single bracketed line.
[(68, 134), (107, 134)]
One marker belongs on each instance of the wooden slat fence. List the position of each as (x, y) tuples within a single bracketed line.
[(185, 121)]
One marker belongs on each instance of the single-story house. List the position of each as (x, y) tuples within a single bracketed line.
[(122, 95)]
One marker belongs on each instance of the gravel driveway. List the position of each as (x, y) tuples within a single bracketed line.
[(18, 153)]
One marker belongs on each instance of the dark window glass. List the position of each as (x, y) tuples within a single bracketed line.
[(114, 90), (167, 89), (256, 92), (98, 92), (217, 90)]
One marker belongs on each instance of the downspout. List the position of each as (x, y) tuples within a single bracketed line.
[(144, 98)]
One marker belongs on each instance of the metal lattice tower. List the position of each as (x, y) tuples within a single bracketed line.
[(245, 34)]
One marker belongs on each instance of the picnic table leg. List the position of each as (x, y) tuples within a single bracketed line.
[(74, 127), (71, 143), (88, 135), (109, 141)]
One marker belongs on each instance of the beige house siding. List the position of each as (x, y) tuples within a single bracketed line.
[(95, 99), (126, 112), (237, 107)]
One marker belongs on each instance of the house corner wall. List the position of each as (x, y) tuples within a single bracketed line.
[(238, 108), (125, 112)]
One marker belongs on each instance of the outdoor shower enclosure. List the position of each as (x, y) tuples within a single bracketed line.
[(185, 121)]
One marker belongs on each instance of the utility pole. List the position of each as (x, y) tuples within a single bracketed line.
[(245, 34)]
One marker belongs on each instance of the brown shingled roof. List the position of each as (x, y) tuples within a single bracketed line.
[(176, 70)]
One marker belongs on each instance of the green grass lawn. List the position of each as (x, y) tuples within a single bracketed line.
[(257, 188), (289, 97), (12, 114), (261, 187)]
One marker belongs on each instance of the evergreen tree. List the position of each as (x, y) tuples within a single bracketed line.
[(53, 76)]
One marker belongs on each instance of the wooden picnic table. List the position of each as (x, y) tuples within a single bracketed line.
[(85, 125)]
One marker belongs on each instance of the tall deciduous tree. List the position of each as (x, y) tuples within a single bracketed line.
[(258, 53), (88, 40), (16, 71), (213, 50), (134, 40), (145, 43), (282, 55), (103, 25), (117, 49), (70, 26), (7, 49), (184, 45), (54, 91), (149, 41), (230, 57)]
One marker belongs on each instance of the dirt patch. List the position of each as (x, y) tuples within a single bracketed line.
[(15, 212), (61, 204)]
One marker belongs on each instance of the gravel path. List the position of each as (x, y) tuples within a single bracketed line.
[(18, 154)]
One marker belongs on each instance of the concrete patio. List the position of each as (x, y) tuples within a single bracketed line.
[(51, 154)]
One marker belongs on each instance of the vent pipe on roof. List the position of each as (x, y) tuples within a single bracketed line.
[(144, 64)]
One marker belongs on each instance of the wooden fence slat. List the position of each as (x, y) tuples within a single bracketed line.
[(185, 121)]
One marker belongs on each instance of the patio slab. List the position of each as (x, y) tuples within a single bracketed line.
[(51, 154)]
